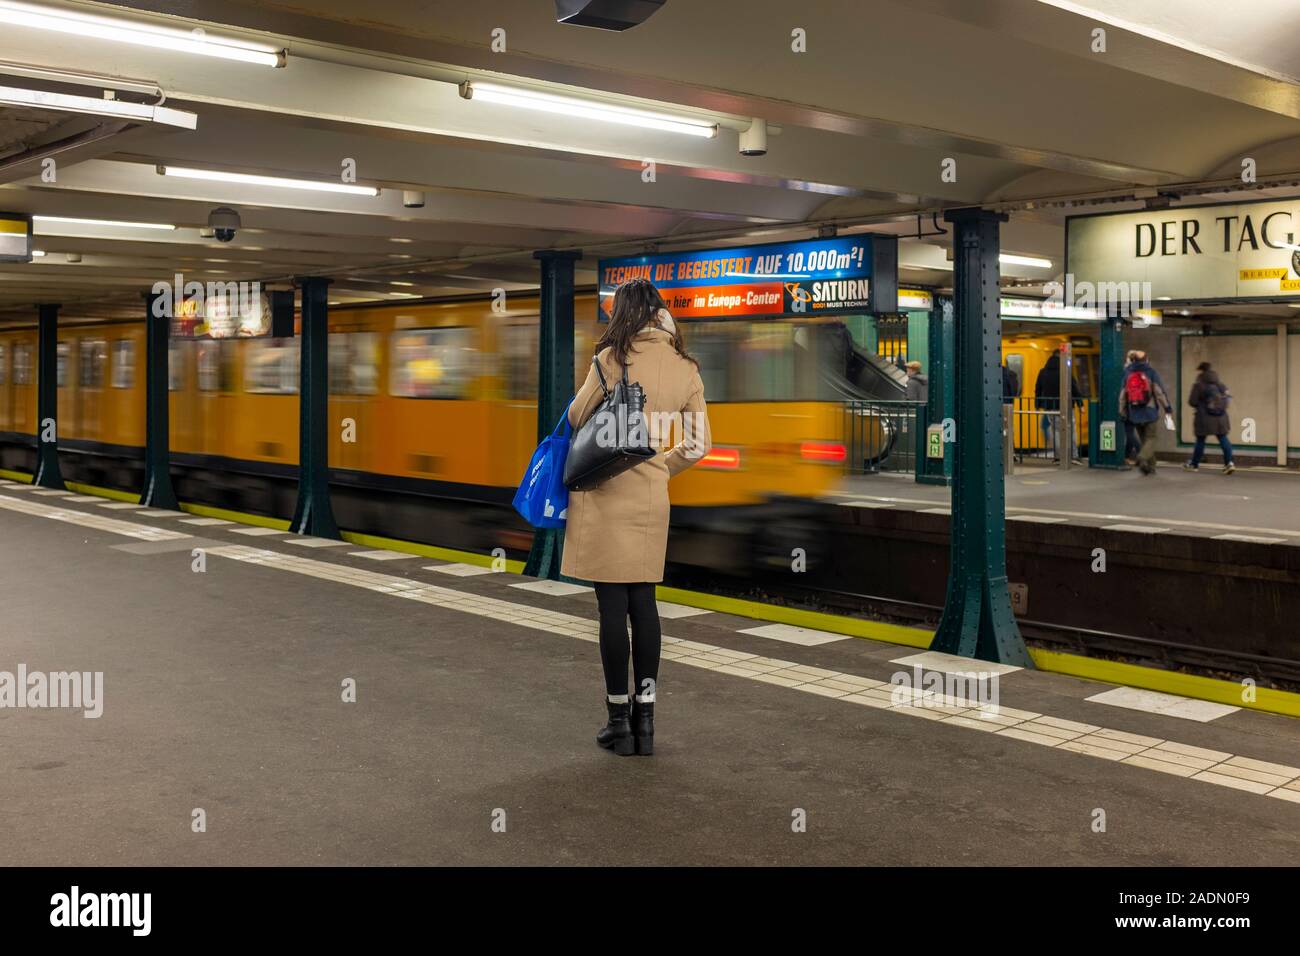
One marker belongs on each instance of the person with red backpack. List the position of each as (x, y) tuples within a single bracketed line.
[(1210, 398), (1142, 401)]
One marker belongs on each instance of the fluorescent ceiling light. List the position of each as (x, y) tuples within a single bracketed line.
[(280, 182), (138, 33), (71, 103), (37, 253), (1014, 260), (586, 109), (102, 222)]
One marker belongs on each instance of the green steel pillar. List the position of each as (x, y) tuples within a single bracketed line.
[(941, 343), (48, 474), (158, 491), (554, 384), (313, 514), (977, 618), (1110, 380)]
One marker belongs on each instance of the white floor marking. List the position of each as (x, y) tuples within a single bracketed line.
[(803, 636), (1249, 538), (382, 555), (552, 587), (936, 511), (120, 505), (308, 542), (1170, 705), (161, 513), (83, 498), (206, 522), (459, 570), (1134, 528), (952, 663), (670, 611), (1037, 519), (52, 492), (868, 504), (1208, 766), (256, 532), (90, 520)]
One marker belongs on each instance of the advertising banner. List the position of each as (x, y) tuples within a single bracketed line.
[(15, 237), (819, 276), (1224, 252)]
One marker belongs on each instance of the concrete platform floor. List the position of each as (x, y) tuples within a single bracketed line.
[(1252, 502), (475, 697)]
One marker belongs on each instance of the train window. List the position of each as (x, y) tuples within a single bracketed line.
[(91, 355), (175, 368), (272, 366), (4, 364), (123, 373), (1083, 374), (354, 363), (432, 363), (1016, 363), (519, 344), (22, 364)]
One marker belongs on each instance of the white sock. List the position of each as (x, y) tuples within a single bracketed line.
[(617, 698)]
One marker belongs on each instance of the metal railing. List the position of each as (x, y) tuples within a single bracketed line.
[(883, 435), (1038, 437)]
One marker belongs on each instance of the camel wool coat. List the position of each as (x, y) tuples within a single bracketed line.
[(618, 531)]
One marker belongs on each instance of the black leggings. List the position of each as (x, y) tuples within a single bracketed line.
[(618, 602)]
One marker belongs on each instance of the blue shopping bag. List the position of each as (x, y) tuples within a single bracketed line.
[(542, 498)]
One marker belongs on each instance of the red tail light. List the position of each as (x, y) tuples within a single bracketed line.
[(822, 451), (727, 459)]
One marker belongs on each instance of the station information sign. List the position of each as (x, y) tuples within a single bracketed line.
[(815, 277), (15, 237), (1244, 251)]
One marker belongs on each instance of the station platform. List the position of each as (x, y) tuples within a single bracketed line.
[(1255, 505), (477, 698)]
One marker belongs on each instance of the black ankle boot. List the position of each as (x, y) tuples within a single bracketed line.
[(643, 727), (617, 734)]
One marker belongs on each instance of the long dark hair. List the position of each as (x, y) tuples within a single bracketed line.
[(636, 303)]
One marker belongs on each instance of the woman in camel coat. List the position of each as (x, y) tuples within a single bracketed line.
[(616, 535)]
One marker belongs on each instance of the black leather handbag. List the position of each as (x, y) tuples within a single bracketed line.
[(614, 439)]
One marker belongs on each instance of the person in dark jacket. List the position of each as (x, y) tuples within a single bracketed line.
[(1209, 396), (1010, 385), (1142, 400), (1047, 397)]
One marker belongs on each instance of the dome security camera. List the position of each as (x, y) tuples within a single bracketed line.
[(224, 223)]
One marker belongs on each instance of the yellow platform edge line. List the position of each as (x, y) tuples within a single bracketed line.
[(814, 620), (1215, 690), (429, 551), (1140, 676)]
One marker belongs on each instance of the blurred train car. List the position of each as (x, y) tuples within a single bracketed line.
[(430, 402)]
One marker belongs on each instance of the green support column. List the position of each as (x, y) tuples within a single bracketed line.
[(554, 385), (313, 514), (1110, 380), (977, 618), (48, 474), (942, 344), (158, 492)]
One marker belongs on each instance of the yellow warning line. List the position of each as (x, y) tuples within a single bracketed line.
[(1194, 686), (815, 620)]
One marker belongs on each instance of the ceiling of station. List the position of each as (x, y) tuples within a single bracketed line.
[(1013, 92)]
